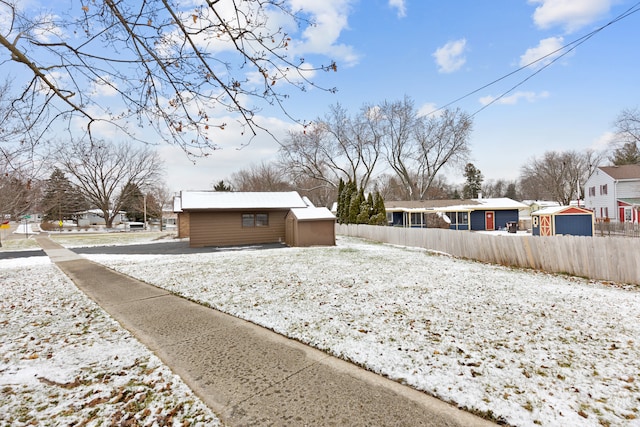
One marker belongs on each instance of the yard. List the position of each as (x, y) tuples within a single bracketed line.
[(522, 347)]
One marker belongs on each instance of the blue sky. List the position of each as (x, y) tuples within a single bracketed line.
[(437, 52)]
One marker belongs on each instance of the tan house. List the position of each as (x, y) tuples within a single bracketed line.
[(221, 218)]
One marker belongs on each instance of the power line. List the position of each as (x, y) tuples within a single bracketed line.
[(566, 49)]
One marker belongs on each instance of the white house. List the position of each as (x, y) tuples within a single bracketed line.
[(613, 193)]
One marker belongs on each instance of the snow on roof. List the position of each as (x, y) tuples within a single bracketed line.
[(240, 200), (308, 202), (550, 210), (312, 213), (501, 202), (483, 204)]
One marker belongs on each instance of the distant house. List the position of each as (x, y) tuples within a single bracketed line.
[(562, 220), (221, 218), (95, 217), (474, 214), (613, 193)]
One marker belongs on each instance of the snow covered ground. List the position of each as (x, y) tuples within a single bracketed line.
[(524, 347), (64, 361)]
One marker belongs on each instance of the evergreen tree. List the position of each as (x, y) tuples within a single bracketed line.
[(221, 186), (357, 198), (133, 202), (628, 154), (340, 209), (474, 182), (366, 208), (379, 214), (61, 199), (511, 191)]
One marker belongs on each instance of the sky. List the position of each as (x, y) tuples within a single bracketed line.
[(438, 52), (447, 54)]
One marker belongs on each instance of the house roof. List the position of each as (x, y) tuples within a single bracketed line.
[(424, 204), (634, 201), (498, 203), (622, 171), (569, 210), (449, 205), (220, 200), (312, 213)]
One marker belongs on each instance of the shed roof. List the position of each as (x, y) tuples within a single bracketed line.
[(312, 213), (622, 171), (567, 210), (213, 200)]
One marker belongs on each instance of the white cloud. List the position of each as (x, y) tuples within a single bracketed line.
[(104, 87), (182, 173), (450, 57), (46, 30), (330, 18), (603, 142), (568, 14), (400, 6), (429, 109), (514, 98), (547, 46)]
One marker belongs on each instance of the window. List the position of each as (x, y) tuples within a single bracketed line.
[(416, 219), (463, 218), (452, 216), (603, 189), (592, 191), (248, 220), (255, 220), (262, 220)]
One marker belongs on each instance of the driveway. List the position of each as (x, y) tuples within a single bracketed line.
[(169, 248)]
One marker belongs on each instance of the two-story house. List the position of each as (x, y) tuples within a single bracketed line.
[(613, 193)]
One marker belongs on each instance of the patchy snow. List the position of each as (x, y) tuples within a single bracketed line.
[(66, 362), (526, 348)]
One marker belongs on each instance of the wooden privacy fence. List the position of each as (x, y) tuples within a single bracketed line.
[(616, 259)]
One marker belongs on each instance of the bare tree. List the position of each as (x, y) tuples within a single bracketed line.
[(628, 126), (417, 148), (262, 177), (443, 141), (558, 176), (103, 171), (172, 66), (335, 147)]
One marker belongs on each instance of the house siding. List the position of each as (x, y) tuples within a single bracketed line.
[(224, 228), (183, 225), (501, 217), (601, 204), (628, 189)]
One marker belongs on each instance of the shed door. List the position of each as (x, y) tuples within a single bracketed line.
[(545, 225), (489, 220)]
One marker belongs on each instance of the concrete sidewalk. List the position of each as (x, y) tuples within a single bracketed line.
[(249, 375)]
